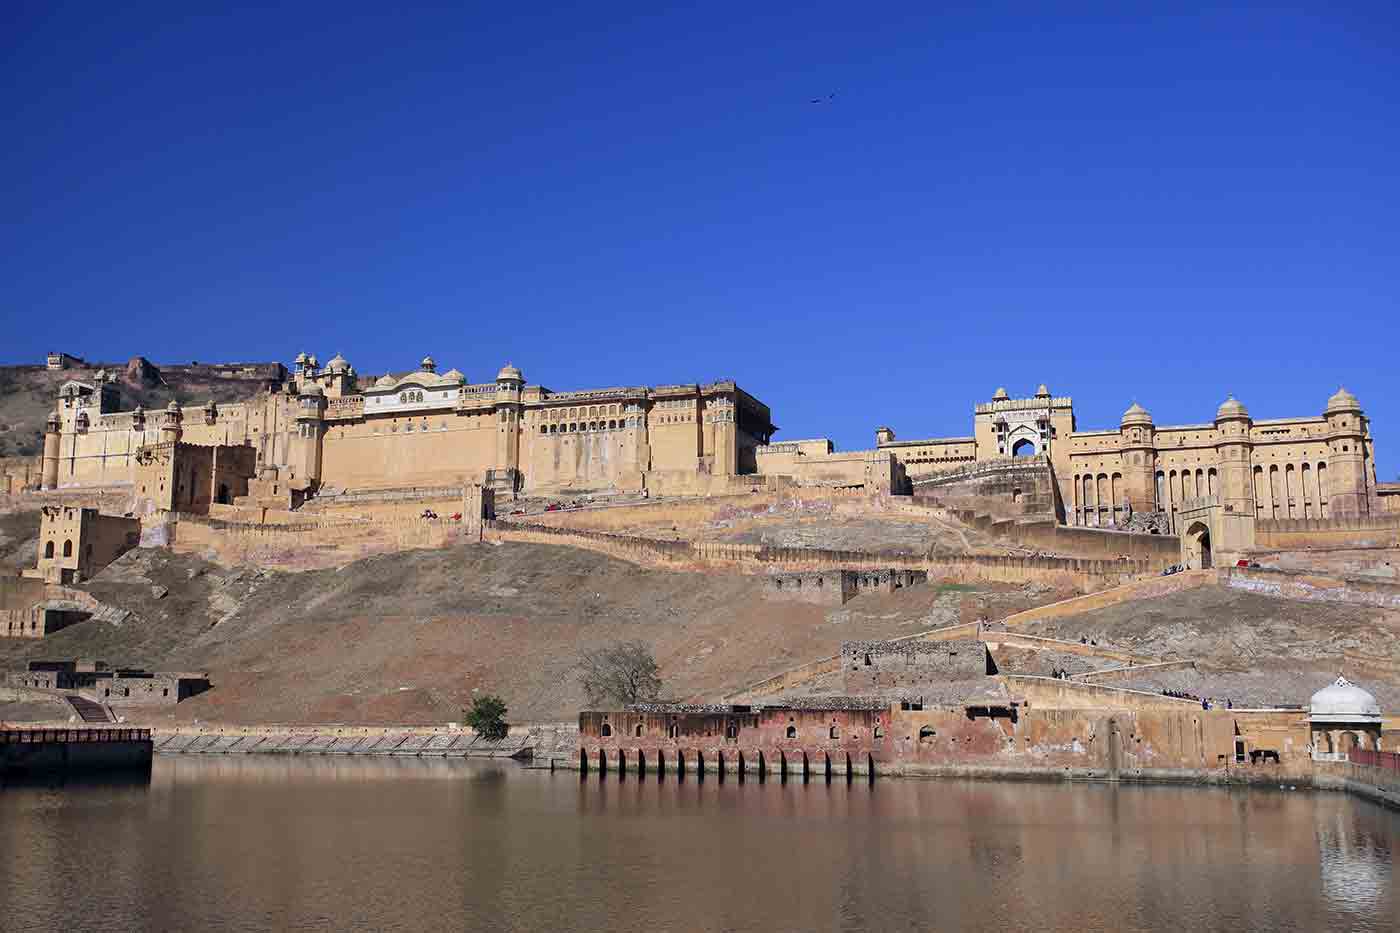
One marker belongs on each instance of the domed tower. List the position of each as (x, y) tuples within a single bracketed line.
[(510, 382), (1342, 716), (52, 441), (311, 428), (1234, 449), (340, 377), (1137, 444), (1347, 487), (170, 429)]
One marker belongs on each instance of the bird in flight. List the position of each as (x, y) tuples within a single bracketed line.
[(823, 100)]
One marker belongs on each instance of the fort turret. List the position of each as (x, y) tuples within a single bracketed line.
[(52, 440), (510, 381), (1137, 439), (311, 429), (1236, 486), (1347, 482), (170, 429), (340, 377)]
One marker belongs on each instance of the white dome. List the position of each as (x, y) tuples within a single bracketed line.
[(1344, 701), (387, 381)]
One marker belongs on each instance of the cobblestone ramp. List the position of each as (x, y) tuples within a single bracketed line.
[(345, 744), (291, 744), (221, 744), (177, 743), (319, 745), (438, 744), (411, 745), (384, 744), (461, 744)]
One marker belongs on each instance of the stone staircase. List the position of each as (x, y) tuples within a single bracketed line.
[(88, 710)]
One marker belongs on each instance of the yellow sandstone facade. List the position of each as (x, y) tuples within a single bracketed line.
[(322, 429), (1284, 468)]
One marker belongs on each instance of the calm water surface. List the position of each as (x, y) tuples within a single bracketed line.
[(335, 844)]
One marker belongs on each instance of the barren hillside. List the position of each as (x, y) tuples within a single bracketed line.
[(1253, 649), (408, 636)]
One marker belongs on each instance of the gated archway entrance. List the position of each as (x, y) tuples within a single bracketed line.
[(1197, 543)]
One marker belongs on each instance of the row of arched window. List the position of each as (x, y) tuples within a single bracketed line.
[(1293, 491), (731, 730), (612, 424), (49, 549), (582, 412)]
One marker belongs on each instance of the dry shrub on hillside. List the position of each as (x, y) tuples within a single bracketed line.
[(620, 672)]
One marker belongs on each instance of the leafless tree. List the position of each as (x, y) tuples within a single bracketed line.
[(620, 672)]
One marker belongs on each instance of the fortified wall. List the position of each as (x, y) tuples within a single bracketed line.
[(322, 428)]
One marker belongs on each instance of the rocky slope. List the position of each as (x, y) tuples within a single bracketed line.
[(408, 637)]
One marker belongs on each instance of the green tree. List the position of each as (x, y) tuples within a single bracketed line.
[(488, 716), (620, 672)]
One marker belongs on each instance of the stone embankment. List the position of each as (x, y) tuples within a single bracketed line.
[(542, 743)]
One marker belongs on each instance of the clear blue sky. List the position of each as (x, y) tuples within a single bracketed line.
[(1124, 203)]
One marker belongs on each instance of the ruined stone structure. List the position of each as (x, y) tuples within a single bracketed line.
[(1044, 726), (836, 587), (57, 360), (99, 681), (28, 611), (905, 668), (75, 543)]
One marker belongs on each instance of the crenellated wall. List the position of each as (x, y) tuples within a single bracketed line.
[(1377, 530)]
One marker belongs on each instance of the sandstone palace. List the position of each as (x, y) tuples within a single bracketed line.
[(320, 431)]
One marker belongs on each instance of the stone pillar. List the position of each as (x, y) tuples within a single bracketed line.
[(1347, 492), (478, 508)]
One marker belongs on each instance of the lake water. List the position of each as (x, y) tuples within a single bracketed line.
[(334, 844)]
